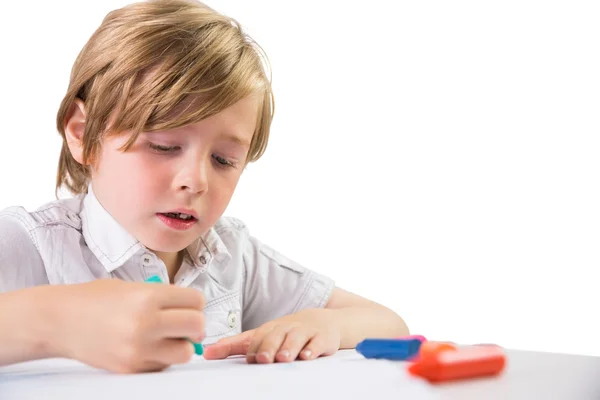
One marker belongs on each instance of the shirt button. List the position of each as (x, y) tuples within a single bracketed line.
[(147, 260), (202, 260), (232, 319)]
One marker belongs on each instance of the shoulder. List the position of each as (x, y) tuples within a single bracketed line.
[(232, 233), (256, 255), (231, 226), (18, 224), (59, 212), (27, 239)]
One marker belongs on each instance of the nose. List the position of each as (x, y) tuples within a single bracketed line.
[(193, 176)]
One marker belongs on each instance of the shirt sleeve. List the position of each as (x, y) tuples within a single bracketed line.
[(275, 286), (21, 265)]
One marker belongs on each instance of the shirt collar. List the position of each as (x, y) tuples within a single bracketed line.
[(113, 246)]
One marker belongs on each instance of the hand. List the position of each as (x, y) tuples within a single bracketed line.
[(125, 327), (305, 335)]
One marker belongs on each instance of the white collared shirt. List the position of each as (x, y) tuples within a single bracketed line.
[(245, 282)]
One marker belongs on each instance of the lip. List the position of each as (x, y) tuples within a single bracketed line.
[(177, 224), (183, 211)]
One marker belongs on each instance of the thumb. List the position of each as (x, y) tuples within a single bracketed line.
[(231, 346)]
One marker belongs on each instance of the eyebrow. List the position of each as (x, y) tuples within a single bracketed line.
[(236, 139)]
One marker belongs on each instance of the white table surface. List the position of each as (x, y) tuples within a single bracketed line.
[(346, 375)]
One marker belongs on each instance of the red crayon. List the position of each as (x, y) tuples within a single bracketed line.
[(428, 349), (462, 363)]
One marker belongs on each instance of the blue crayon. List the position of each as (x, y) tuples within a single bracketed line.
[(389, 349)]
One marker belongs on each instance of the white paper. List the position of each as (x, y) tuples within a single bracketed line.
[(346, 375)]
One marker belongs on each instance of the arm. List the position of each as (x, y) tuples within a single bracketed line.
[(358, 318), (24, 326), (23, 320), (107, 323), (346, 320), (291, 312)]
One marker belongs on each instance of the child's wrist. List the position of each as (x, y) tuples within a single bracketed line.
[(46, 323)]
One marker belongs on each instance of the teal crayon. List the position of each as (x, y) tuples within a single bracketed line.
[(154, 279), (198, 348)]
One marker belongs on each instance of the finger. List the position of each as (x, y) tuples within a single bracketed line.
[(270, 344), (316, 347), (231, 346), (170, 296), (256, 341), (295, 341), (171, 351), (180, 323)]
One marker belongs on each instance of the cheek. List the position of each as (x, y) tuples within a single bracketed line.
[(225, 189), (148, 179), (133, 173)]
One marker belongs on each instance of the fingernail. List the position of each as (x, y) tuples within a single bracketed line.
[(285, 354), (307, 353), (264, 356)]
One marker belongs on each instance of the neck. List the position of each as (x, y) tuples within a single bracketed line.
[(172, 262)]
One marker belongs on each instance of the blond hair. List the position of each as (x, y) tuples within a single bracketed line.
[(158, 65)]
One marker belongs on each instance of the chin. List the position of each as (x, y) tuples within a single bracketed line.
[(166, 245)]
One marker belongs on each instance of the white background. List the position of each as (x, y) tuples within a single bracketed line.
[(439, 157)]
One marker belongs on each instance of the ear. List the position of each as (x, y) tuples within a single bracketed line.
[(74, 128)]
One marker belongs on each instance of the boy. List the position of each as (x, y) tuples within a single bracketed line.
[(167, 103)]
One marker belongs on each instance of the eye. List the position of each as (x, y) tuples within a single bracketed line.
[(222, 162), (163, 149)]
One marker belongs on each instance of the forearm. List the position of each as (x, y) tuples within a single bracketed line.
[(358, 323), (24, 325)]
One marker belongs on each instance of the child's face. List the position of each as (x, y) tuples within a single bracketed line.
[(192, 169)]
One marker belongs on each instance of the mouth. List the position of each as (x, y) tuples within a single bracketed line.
[(179, 221), (179, 216)]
